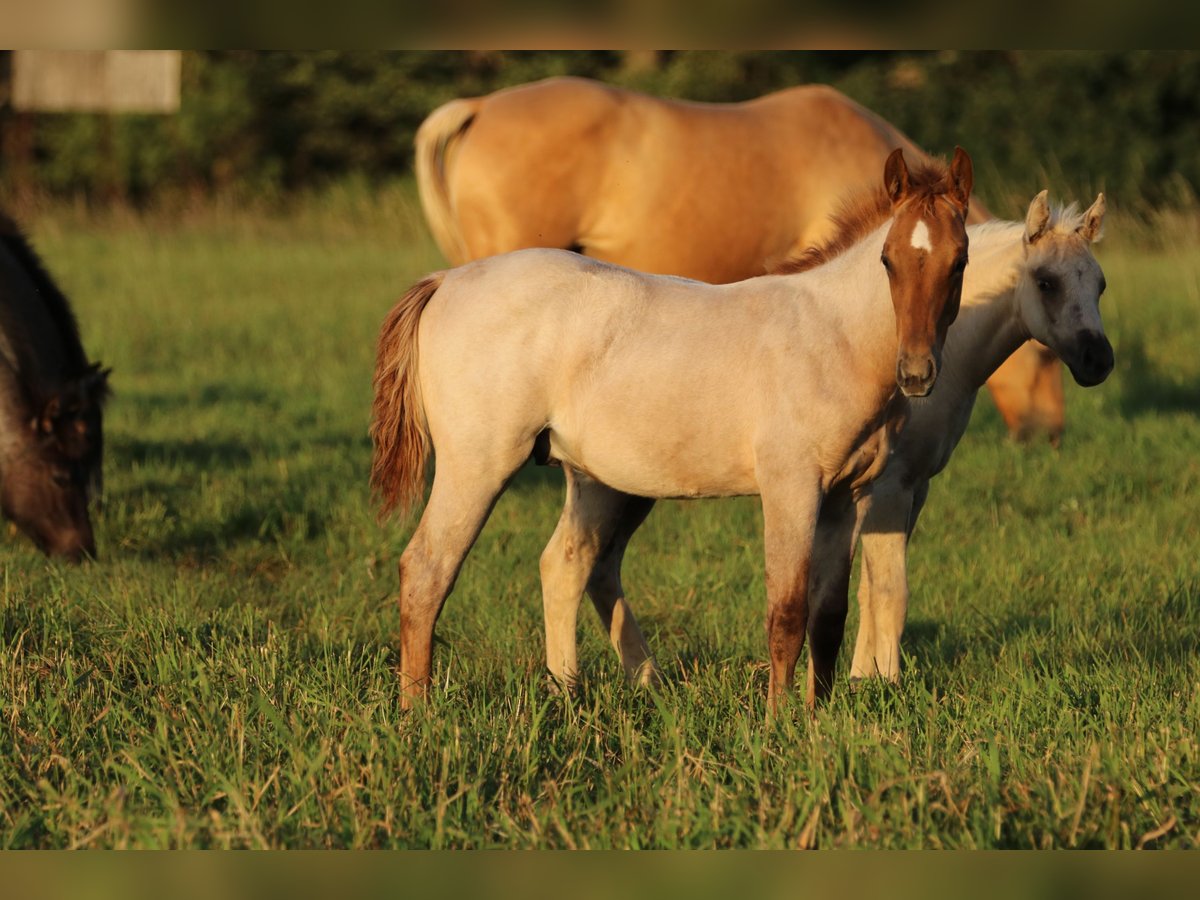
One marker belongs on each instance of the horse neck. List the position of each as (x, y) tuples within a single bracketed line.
[(38, 338), (854, 289), (989, 326)]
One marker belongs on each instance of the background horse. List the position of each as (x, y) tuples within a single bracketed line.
[(706, 191), (644, 386), (51, 400), (1037, 278)]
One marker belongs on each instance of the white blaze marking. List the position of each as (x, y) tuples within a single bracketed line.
[(920, 237)]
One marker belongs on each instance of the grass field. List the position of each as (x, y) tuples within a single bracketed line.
[(224, 675)]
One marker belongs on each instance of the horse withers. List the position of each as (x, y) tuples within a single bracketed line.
[(710, 191), (645, 387), (51, 406)]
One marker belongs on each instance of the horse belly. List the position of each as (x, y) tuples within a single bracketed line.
[(642, 451)]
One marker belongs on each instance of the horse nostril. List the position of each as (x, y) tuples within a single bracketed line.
[(915, 375)]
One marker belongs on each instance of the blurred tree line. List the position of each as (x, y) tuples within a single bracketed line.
[(264, 124)]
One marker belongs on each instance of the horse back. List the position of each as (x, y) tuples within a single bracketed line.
[(703, 190), (528, 169)]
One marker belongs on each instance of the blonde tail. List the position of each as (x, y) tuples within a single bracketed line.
[(433, 138), (398, 427)]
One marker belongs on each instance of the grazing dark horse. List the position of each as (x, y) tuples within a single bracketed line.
[(51, 400)]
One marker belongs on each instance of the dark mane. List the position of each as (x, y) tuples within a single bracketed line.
[(861, 213), (54, 301)]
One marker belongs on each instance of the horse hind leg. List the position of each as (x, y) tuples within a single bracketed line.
[(589, 519), (459, 503), (608, 597)]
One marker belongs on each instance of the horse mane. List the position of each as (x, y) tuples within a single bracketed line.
[(1066, 219), (861, 213), (55, 303)]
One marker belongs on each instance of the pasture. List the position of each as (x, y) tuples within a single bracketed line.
[(224, 676)]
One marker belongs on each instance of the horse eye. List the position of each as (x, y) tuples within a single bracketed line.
[(61, 479), (1045, 285), (960, 264), (887, 263)]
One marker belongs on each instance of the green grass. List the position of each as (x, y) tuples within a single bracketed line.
[(224, 676)]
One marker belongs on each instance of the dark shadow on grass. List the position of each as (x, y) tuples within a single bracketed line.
[(1144, 387), (937, 645)]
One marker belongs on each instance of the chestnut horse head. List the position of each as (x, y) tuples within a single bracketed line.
[(925, 253)]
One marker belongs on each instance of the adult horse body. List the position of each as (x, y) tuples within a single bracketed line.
[(51, 401), (705, 191), (1037, 278), (649, 386)]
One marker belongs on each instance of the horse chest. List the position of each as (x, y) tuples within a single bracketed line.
[(869, 454)]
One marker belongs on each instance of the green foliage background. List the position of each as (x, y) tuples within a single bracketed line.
[(263, 124)]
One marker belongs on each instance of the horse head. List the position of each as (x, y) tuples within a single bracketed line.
[(1059, 290), (53, 467), (925, 253)]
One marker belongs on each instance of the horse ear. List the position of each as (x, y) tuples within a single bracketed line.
[(962, 178), (895, 176), (1037, 218), (1093, 220), (95, 383)]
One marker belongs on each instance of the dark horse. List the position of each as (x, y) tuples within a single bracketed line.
[(51, 399)]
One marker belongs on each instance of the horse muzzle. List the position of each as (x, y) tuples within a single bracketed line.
[(1092, 360), (916, 373)]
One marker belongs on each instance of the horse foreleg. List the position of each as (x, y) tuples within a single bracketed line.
[(458, 506), (589, 519), (883, 590), (789, 523), (828, 589), (608, 597)]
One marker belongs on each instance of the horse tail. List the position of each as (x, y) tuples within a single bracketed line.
[(442, 126), (399, 430)]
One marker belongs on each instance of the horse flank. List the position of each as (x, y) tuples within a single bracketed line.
[(862, 213), (433, 138), (398, 427)]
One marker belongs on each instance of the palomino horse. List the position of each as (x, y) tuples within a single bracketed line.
[(706, 191), (51, 401), (1033, 279), (649, 386)]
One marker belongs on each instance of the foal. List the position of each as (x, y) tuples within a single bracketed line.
[(1036, 279), (647, 386)]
